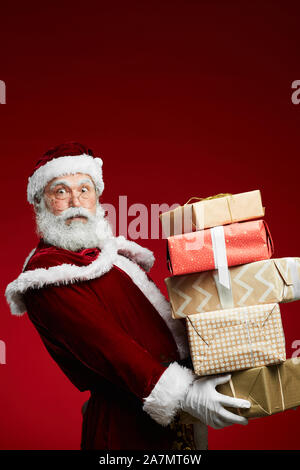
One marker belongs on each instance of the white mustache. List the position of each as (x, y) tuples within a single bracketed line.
[(75, 212)]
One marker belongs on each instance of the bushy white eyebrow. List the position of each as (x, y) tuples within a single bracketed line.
[(64, 182)]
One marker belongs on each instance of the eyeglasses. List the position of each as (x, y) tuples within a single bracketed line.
[(65, 194)]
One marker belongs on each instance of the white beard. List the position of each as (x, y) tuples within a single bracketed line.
[(76, 236)]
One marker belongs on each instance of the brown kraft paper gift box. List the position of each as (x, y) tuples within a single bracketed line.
[(266, 281), (211, 212)]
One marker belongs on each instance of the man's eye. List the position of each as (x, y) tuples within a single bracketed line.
[(84, 189), (61, 191)]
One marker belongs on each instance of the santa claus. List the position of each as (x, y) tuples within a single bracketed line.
[(104, 321)]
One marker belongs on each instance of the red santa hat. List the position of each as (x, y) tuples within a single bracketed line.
[(65, 159)]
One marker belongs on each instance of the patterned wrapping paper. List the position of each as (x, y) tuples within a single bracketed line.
[(211, 212), (266, 281), (236, 339), (245, 242)]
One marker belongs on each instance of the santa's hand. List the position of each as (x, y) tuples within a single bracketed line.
[(205, 403)]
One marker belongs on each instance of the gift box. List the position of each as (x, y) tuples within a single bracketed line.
[(210, 212), (270, 389), (218, 248), (266, 281), (235, 339)]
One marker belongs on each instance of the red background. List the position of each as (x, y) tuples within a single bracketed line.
[(180, 98)]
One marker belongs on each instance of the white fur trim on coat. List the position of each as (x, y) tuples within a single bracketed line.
[(58, 275), (28, 258), (113, 252), (64, 166), (163, 403), (135, 252)]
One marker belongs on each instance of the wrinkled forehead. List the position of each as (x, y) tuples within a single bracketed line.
[(70, 180)]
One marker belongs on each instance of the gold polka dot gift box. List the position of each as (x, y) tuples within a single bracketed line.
[(236, 339)]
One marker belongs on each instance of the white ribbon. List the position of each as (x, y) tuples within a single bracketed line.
[(220, 257), (225, 295), (293, 268)]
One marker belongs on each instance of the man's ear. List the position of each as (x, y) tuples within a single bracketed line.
[(37, 202)]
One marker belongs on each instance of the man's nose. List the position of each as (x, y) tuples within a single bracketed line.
[(74, 200)]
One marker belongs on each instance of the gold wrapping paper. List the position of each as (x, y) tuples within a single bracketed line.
[(236, 339), (212, 212), (270, 389), (266, 281)]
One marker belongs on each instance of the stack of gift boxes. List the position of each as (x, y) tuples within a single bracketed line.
[(228, 288)]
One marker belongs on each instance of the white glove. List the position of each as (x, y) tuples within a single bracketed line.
[(205, 403)]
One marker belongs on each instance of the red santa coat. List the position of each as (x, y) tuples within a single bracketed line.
[(110, 330)]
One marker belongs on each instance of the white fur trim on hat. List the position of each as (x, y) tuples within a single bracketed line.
[(163, 403), (66, 165)]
